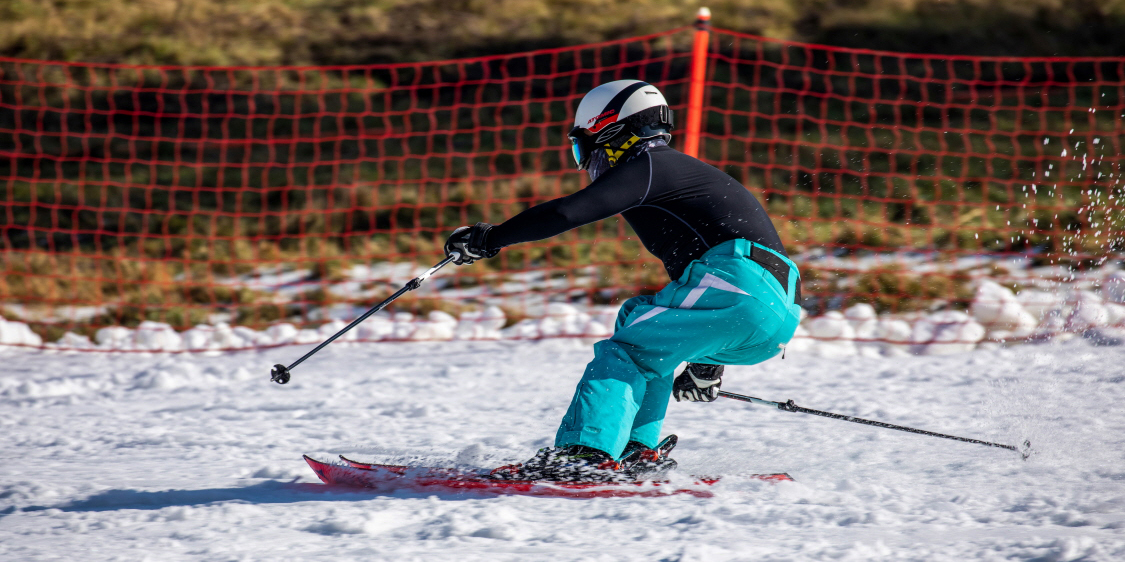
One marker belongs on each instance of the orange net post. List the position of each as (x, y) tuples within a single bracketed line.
[(700, 45)]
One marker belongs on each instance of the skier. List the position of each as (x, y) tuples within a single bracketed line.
[(733, 298)]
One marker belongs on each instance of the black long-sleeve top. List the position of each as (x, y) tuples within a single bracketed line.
[(678, 206)]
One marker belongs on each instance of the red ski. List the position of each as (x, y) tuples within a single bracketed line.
[(388, 478)]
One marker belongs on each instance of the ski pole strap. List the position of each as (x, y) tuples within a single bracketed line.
[(790, 406)]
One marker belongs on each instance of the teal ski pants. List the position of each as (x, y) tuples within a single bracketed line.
[(725, 309)]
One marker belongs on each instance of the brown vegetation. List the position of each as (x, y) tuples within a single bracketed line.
[(302, 32)]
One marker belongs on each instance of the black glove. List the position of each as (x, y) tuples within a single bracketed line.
[(698, 383), (471, 242)]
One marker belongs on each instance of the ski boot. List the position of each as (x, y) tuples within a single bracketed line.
[(576, 463), (641, 463)]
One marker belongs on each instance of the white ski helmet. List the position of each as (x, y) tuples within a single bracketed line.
[(615, 116)]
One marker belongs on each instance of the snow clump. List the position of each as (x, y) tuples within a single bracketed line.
[(947, 332), (18, 333), (834, 335), (1000, 312)]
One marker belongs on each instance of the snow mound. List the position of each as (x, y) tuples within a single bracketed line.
[(18, 333), (1113, 287), (1001, 313), (996, 314), (561, 320), (947, 332), (834, 335), (1087, 311)]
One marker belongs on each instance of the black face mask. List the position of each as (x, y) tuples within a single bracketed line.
[(599, 161), (598, 165)]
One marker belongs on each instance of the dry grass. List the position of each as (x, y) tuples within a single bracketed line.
[(131, 287)]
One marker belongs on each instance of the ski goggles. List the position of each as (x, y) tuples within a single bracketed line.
[(580, 147)]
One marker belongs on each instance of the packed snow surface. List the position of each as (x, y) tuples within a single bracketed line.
[(137, 456)]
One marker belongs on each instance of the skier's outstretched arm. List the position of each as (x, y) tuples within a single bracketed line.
[(609, 195)]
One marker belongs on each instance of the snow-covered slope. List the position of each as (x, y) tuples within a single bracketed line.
[(165, 457)]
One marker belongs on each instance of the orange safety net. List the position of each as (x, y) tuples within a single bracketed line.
[(191, 195), (899, 179)]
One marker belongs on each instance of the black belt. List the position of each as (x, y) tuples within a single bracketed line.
[(777, 267)]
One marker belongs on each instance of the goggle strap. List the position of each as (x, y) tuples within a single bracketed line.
[(614, 154)]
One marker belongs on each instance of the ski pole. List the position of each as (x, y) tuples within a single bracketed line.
[(789, 406), (280, 373)]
